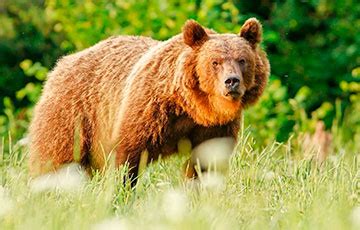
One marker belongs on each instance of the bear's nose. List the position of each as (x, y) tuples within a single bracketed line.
[(232, 82)]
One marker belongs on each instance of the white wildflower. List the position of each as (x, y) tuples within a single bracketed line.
[(214, 153), (23, 141), (112, 224), (213, 181), (6, 204), (69, 178), (355, 217), (270, 175), (174, 204)]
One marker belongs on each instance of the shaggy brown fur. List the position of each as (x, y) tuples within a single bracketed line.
[(129, 94)]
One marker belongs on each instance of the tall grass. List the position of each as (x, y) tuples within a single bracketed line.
[(275, 187)]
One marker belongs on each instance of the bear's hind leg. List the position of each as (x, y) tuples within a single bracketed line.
[(57, 137)]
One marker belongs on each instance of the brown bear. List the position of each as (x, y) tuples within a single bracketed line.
[(128, 94)]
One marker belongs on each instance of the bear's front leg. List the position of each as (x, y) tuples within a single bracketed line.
[(131, 144), (140, 128)]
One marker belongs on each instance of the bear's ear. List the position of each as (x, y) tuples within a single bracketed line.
[(194, 34), (252, 31)]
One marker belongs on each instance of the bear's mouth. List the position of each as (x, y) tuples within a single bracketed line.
[(234, 95)]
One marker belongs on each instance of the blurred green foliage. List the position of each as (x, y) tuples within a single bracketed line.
[(313, 47)]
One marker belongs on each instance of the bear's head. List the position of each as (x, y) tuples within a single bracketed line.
[(229, 69)]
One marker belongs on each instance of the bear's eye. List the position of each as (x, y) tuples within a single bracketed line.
[(242, 61), (215, 63)]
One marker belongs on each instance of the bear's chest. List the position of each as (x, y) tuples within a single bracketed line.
[(166, 143), (181, 126)]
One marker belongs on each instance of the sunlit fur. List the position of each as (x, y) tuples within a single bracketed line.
[(128, 94)]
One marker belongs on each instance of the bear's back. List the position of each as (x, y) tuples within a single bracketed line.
[(97, 70), (113, 57)]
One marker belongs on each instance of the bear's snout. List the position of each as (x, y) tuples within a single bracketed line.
[(232, 82), (232, 85)]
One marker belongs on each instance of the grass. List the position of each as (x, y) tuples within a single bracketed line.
[(274, 187)]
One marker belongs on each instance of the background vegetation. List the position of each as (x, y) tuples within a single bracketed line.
[(314, 50)]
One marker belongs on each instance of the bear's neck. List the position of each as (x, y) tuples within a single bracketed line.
[(207, 110)]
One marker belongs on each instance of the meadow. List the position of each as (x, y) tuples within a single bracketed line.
[(297, 160), (275, 187)]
